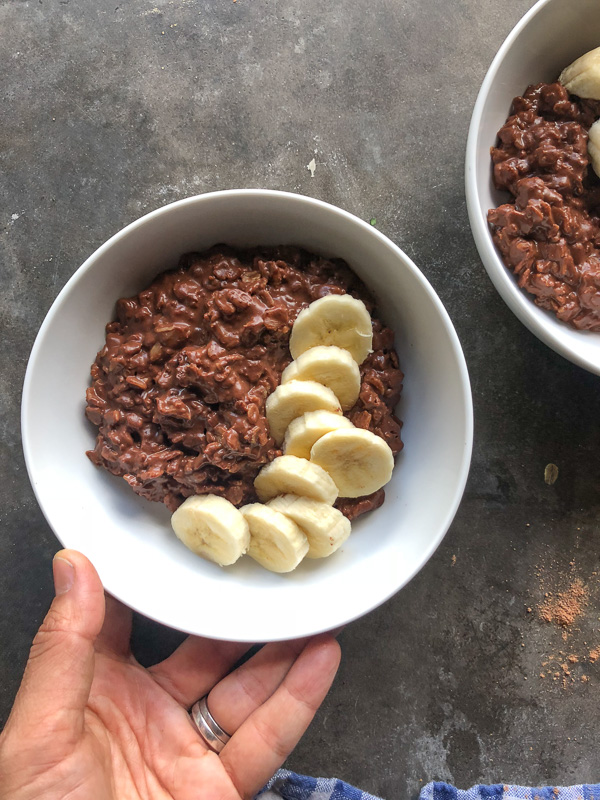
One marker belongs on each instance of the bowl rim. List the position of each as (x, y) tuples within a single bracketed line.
[(536, 319), (88, 264)]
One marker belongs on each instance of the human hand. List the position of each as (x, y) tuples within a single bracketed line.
[(90, 722)]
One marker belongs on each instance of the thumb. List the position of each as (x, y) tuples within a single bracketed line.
[(60, 669)]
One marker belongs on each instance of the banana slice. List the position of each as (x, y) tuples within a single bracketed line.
[(325, 527), (292, 475), (276, 542), (337, 319), (291, 400), (304, 431), (331, 366), (359, 462), (594, 146), (582, 77), (212, 527)]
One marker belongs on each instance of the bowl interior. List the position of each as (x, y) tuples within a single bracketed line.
[(552, 35), (130, 540)]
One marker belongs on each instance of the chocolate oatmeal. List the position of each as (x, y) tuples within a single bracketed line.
[(549, 233), (178, 390)]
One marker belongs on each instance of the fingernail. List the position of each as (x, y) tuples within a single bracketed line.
[(64, 575)]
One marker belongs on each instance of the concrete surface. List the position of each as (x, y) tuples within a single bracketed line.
[(112, 109)]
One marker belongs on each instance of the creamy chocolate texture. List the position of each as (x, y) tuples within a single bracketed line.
[(178, 390), (549, 233)]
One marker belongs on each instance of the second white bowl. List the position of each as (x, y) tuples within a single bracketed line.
[(548, 38)]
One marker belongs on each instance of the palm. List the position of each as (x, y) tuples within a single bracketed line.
[(139, 742)]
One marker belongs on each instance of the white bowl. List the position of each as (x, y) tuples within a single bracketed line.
[(130, 540), (548, 38)]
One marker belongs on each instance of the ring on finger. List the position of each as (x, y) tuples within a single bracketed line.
[(208, 728)]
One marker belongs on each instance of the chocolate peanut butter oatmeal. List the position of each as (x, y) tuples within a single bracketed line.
[(549, 233), (178, 390)]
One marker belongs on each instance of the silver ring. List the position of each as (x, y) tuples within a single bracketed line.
[(208, 728)]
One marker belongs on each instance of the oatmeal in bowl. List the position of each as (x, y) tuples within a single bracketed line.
[(186, 395), (548, 233), (179, 389)]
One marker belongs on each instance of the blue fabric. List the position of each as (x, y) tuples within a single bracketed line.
[(290, 786), (287, 785)]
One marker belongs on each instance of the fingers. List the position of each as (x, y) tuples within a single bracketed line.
[(270, 734), (59, 673), (115, 635), (194, 668), (241, 692)]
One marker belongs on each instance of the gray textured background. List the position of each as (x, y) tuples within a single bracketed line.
[(112, 109)]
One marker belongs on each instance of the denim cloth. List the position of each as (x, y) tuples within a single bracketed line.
[(285, 785)]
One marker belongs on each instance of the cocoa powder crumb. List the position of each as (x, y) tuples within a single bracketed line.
[(565, 607), (563, 600)]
